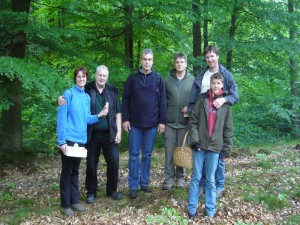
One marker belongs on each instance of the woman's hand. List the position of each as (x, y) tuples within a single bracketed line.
[(61, 101), (63, 148)]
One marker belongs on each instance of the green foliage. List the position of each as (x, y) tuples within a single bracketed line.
[(296, 192), (293, 220), (18, 215), (54, 187), (7, 195), (274, 176), (263, 161), (26, 202), (23, 208), (273, 202), (167, 216), (181, 194)]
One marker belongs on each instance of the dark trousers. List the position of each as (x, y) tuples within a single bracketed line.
[(69, 190), (100, 141)]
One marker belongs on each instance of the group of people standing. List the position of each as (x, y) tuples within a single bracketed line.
[(90, 115)]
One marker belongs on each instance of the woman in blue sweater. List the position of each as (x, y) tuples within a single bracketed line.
[(72, 121)]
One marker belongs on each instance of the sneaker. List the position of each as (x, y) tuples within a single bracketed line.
[(180, 183), (115, 195), (146, 189), (77, 207), (90, 198), (67, 211), (133, 194), (167, 186)]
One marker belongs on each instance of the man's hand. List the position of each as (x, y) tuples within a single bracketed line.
[(104, 111), (61, 100), (161, 128), (219, 102), (118, 138), (126, 126)]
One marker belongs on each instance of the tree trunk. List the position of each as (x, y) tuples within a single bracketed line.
[(138, 55), (293, 72), (232, 32), (128, 36), (197, 39), (11, 140), (205, 24)]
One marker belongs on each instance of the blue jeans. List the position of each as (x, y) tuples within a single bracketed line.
[(139, 172), (209, 160), (220, 175)]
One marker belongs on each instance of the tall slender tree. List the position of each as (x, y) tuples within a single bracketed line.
[(232, 30), (12, 118), (128, 35), (197, 38), (205, 24), (294, 68)]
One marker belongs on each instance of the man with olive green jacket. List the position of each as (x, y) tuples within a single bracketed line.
[(178, 85)]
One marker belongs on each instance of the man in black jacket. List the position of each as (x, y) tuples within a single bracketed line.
[(105, 135)]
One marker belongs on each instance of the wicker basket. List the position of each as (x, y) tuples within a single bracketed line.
[(183, 156)]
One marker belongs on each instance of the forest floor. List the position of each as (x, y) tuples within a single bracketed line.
[(263, 187)]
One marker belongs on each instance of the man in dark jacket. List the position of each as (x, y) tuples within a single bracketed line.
[(104, 135), (201, 85), (144, 110)]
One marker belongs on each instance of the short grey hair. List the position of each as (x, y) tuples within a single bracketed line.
[(102, 67), (147, 51)]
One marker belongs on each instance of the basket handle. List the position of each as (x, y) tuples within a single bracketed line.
[(184, 139)]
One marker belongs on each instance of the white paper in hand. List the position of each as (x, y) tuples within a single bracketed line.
[(76, 151)]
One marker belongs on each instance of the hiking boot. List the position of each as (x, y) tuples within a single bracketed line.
[(90, 198), (180, 183), (146, 189), (167, 186), (67, 211), (133, 194), (77, 207), (115, 195)]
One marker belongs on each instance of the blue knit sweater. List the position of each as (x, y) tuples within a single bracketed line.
[(73, 118)]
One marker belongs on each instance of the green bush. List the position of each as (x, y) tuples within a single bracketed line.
[(167, 216)]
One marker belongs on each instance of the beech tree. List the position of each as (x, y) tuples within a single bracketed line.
[(294, 69), (11, 140)]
